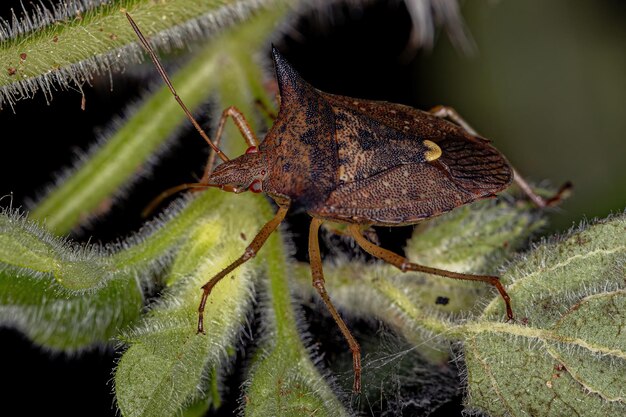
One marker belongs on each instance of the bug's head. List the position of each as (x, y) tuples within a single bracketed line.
[(244, 173)]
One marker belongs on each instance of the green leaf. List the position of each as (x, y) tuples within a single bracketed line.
[(51, 317), (285, 383), (72, 44), (567, 350), (201, 406), (165, 368), (60, 296), (68, 297), (283, 380)]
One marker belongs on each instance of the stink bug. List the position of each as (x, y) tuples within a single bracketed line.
[(358, 162)]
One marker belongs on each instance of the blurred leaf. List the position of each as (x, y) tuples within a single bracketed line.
[(475, 237), (61, 296), (67, 296), (69, 44)]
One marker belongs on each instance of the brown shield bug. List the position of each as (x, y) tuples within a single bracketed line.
[(359, 162)]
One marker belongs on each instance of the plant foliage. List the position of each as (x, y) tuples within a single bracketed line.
[(565, 351)]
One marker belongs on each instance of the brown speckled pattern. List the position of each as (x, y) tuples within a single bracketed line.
[(301, 143), (362, 161), (361, 140), (400, 195)]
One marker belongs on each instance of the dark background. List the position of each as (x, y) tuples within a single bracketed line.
[(547, 83)]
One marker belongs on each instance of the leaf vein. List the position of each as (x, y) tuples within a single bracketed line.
[(566, 262)]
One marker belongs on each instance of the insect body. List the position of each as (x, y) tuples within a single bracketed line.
[(359, 162), (364, 163)]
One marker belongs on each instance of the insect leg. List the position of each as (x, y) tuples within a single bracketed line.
[(539, 201), (250, 252), (267, 111), (244, 127), (445, 112), (342, 231), (404, 265), (318, 282)]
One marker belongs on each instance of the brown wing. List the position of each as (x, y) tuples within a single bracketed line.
[(384, 177), (326, 148), (404, 119), (374, 136), (366, 146), (475, 166), (407, 193)]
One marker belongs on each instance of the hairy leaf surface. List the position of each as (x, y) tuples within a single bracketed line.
[(566, 352)]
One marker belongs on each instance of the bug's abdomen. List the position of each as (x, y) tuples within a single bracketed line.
[(408, 193), (401, 195)]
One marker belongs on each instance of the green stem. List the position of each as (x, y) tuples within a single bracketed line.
[(284, 316), (69, 49)]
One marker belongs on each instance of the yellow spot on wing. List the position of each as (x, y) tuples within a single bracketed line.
[(433, 151)]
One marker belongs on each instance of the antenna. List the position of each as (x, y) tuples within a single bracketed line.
[(157, 63)]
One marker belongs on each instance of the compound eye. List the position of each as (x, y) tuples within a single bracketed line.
[(256, 186), (252, 149)]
